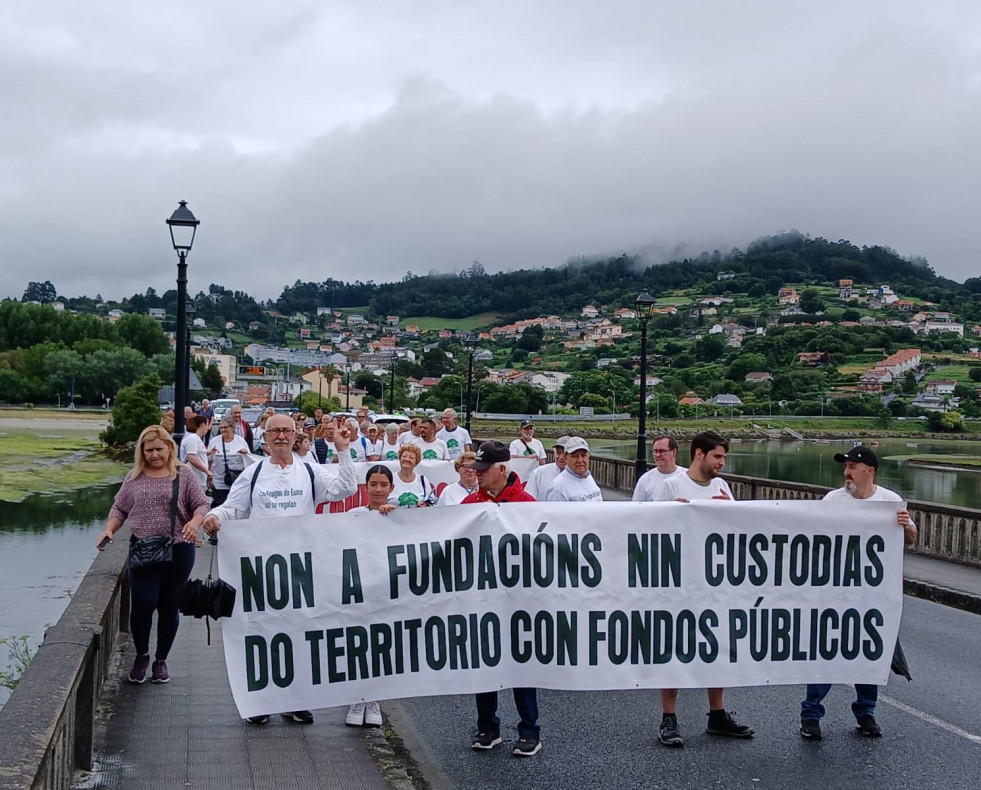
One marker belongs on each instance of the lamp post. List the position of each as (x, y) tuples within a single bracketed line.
[(183, 225), (613, 392), (391, 406), (471, 343), (347, 405), (643, 306), (189, 311)]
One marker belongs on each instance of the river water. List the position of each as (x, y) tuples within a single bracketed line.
[(48, 542)]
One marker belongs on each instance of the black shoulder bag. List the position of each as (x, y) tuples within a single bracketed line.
[(155, 550)]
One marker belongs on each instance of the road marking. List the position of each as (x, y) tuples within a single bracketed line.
[(932, 719)]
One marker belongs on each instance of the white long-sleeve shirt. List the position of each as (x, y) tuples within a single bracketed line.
[(286, 491), (541, 479), (570, 487)]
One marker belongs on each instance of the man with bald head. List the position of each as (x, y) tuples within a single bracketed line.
[(282, 486)]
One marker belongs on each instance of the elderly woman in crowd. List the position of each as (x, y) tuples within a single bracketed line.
[(194, 452), (411, 490), (391, 444), (145, 503), (456, 492), (227, 459)]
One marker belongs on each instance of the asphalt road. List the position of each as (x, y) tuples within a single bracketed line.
[(932, 731)]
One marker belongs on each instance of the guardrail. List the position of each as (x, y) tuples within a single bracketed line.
[(47, 725), (946, 532)]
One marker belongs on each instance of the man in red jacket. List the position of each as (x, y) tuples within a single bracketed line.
[(496, 483)]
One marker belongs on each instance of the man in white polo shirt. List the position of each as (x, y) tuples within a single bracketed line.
[(280, 486), (700, 481), (575, 484), (860, 486), (665, 467)]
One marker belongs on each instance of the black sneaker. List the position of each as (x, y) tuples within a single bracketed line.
[(257, 719), (299, 716), (723, 723), (810, 729), (137, 674), (485, 741), (668, 733), (868, 726), (527, 747)]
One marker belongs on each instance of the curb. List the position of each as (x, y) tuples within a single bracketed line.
[(393, 758), (943, 595)]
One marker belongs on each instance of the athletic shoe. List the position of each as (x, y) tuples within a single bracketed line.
[(668, 733), (372, 715), (723, 723), (868, 726), (299, 716), (137, 674), (485, 741), (355, 715), (810, 729), (160, 674), (527, 747), (257, 719)]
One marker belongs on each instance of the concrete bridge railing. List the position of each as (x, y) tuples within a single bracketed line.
[(946, 532), (47, 725)]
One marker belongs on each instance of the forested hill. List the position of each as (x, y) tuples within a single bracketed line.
[(761, 269)]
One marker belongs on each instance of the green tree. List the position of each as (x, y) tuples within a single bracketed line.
[(135, 408), (810, 301), (142, 333), (45, 292), (435, 362), (974, 374), (310, 400)]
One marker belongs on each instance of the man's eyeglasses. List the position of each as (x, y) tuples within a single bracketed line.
[(662, 452), (280, 431)]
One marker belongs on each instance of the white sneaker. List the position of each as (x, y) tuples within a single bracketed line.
[(355, 715), (372, 715)]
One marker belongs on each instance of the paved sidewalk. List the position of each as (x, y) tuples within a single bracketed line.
[(187, 733)]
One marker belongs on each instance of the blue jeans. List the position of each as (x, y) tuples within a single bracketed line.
[(525, 700), (811, 708)]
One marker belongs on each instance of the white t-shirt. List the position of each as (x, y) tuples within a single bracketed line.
[(374, 448), (570, 487), (359, 449), (879, 495), (432, 451), (309, 458), (236, 461), (390, 452), (408, 436), (454, 494), (649, 481), (683, 487), (192, 444), (411, 494), (540, 479), (456, 441), (285, 491), (534, 447)]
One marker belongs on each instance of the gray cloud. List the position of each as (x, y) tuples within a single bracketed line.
[(361, 140)]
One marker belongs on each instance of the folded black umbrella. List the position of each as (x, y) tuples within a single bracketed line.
[(899, 664), (208, 597)]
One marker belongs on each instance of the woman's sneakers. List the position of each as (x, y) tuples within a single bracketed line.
[(159, 673), (364, 714), (137, 674)]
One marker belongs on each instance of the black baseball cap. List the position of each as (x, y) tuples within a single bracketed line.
[(858, 455), (491, 453)]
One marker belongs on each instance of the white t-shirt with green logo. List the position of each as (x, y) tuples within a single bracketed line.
[(412, 494), (390, 452), (456, 441), (435, 450)]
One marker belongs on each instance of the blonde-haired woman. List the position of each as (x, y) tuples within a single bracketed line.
[(144, 502), (411, 490), (456, 492)]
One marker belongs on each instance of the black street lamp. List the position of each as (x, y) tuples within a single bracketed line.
[(470, 341), (643, 306), (347, 367), (391, 407), (183, 225)]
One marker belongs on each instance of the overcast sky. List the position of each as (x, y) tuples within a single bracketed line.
[(362, 139)]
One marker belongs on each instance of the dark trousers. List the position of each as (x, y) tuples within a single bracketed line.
[(866, 696), (525, 700), (154, 589)]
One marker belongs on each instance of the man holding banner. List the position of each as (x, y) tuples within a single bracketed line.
[(860, 468), (700, 481), (496, 483), (280, 486)]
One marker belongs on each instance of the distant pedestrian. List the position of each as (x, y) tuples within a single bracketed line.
[(145, 502), (227, 455), (527, 445), (242, 428), (700, 481), (391, 444), (665, 450), (433, 449), (194, 452), (861, 465)]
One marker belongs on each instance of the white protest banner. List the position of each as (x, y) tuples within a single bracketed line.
[(335, 609)]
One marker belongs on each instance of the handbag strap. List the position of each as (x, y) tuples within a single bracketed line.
[(224, 453), (173, 506)]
